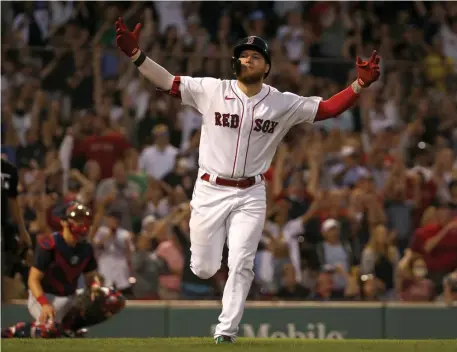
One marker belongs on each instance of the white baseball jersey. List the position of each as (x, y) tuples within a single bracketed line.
[(240, 134)]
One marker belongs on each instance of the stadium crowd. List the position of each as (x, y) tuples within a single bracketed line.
[(360, 207)]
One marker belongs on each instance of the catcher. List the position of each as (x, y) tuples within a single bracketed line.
[(60, 259)]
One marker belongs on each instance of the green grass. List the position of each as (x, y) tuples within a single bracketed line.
[(207, 344)]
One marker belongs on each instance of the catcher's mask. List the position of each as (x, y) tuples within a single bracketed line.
[(250, 43), (79, 219)]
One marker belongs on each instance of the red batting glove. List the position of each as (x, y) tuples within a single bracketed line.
[(368, 71), (127, 41)]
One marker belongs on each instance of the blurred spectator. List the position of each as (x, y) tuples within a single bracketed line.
[(349, 171), (280, 244), (145, 269), (169, 250), (450, 287), (453, 196), (156, 201), (159, 159), (158, 267), (325, 285), (335, 254), (114, 249), (437, 243), (371, 288), (120, 194), (31, 25), (80, 188), (181, 177), (413, 285), (290, 289), (104, 147), (399, 209), (438, 66), (380, 257)]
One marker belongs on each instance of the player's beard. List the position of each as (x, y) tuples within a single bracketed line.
[(250, 78)]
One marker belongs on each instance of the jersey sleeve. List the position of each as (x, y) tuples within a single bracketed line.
[(197, 92), (44, 253), (303, 109)]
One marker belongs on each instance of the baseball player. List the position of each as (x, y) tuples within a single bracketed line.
[(243, 121), (60, 259)]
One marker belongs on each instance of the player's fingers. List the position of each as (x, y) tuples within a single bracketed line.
[(120, 31), (118, 24), (377, 60), (358, 61), (137, 29), (121, 23), (375, 67), (373, 56), (362, 64)]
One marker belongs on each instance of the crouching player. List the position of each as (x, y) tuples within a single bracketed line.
[(60, 259)]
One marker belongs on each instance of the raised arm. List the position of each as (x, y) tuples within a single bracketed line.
[(128, 42), (367, 73)]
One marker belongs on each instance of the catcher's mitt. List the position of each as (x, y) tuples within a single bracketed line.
[(91, 305), (94, 306)]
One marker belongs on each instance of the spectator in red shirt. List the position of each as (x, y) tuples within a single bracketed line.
[(104, 146), (413, 285), (437, 243)]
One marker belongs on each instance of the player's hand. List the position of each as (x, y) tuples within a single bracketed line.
[(127, 41), (368, 71), (48, 313)]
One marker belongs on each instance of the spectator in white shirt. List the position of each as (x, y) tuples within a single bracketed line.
[(448, 35), (292, 35), (171, 14), (281, 243), (159, 159), (114, 247), (383, 115)]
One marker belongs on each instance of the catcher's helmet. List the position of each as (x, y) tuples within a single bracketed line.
[(250, 43), (81, 217)]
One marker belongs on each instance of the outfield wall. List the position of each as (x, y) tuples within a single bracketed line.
[(312, 320)]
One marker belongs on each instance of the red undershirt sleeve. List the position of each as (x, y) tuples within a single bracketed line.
[(337, 104), (174, 91)]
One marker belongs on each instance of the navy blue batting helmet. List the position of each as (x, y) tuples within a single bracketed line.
[(251, 43)]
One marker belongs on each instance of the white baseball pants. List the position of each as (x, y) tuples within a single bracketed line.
[(61, 304), (238, 215)]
